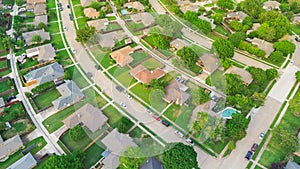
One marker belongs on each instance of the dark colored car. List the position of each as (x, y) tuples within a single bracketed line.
[(297, 39), (248, 155), (119, 88), (165, 123), (10, 98), (97, 67), (68, 6), (254, 147), (71, 18), (215, 108)]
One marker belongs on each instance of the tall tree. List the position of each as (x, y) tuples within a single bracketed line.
[(132, 158), (237, 37), (188, 56), (252, 7), (77, 133), (83, 35), (223, 48), (285, 137), (74, 161), (225, 4), (286, 47), (236, 127)]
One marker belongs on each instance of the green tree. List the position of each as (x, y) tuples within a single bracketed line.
[(225, 4), (74, 161), (252, 7), (2, 126), (36, 38), (236, 127), (258, 99), (83, 35), (102, 14), (42, 25), (297, 74), (234, 84), (286, 47), (77, 133), (248, 21), (218, 18), (285, 137), (266, 32), (188, 56), (223, 48), (200, 122), (277, 57), (237, 26), (96, 5), (203, 25), (285, 7), (132, 158), (236, 38), (170, 28), (272, 73), (180, 156), (226, 63)]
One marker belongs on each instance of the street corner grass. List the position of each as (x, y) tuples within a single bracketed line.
[(53, 28), (76, 76), (142, 92), (122, 75), (93, 155), (106, 61), (81, 22), (57, 41)]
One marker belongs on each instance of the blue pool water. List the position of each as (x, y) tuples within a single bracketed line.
[(123, 11), (226, 113)]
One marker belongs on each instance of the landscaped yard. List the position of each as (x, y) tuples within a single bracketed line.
[(3, 64), (74, 74), (276, 151), (63, 58), (221, 30), (136, 133), (6, 85), (142, 92), (94, 98), (122, 75), (198, 50), (44, 100), (93, 154), (29, 63), (50, 4), (138, 57), (53, 27), (76, 2), (78, 11), (135, 26), (81, 22), (39, 142), (152, 64), (199, 96), (20, 127), (57, 41), (106, 61), (112, 27)]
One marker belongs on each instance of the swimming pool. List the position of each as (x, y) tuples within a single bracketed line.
[(123, 11), (227, 112)]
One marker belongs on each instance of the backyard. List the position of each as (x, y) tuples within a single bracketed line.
[(138, 57), (6, 85), (152, 64), (3, 64), (63, 58), (44, 100), (29, 63)]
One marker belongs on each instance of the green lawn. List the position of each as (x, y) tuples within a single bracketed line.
[(52, 18), (142, 92), (81, 22), (63, 58), (53, 27), (50, 4), (18, 127), (54, 122), (6, 85), (75, 145), (199, 96), (152, 64), (135, 26), (93, 154), (39, 142), (94, 98), (29, 20), (57, 41), (112, 27), (29, 63), (122, 75), (74, 74), (136, 133), (216, 146), (221, 30), (76, 2), (296, 29), (78, 11), (138, 57), (275, 151), (45, 99), (106, 61), (197, 49)]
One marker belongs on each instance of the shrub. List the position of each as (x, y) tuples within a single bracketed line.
[(252, 49)]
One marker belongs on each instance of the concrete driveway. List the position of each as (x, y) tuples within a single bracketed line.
[(249, 62)]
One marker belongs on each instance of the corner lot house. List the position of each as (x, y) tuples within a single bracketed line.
[(28, 36), (40, 19), (239, 16), (178, 43), (39, 9), (146, 18), (209, 63), (263, 45), (135, 5), (43, 53), (100, 24), (91, 13), (176, 92), (89, 116), (244, 74), (26, 162), (9, 146), (122, 56), (143, 75), (53, 72), (271, 5), (70, 94), (116, 143)]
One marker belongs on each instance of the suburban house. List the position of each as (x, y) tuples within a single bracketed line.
[(211, 21), (43, 53), (70, 94), (89, 116), (86, 2), (122, 56), (36, 1), (9, 147), (176, 92), (39, 9), (116, 143), (91, 13), (40, 19), (189, 7), (26, 162), (53, 72), (146, 18), (263, 45), (292, 165), (271, 5), (254, 28), (239, 16), (100, 24), (135, 5), (28, 36), (152, 163), (178, 44), (143, 75), (244, 74), (209, 63), (108, 40)]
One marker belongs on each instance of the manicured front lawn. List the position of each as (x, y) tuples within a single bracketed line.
[(74, 74), (296, 29), (45, 99), (75, 2), (142, 92), (81, 22), (39, 142), (93, 154), (29, 63), (78, 11), (63, 58), (94, 98), (135, 26), (122, 75), (152, 64), (54, 122), (75, 145), (197, 49), (275, 151), (57, 41), (5, 85), (53, 27), (216, 146), (138, 57), (106, 61), (221, 30), (112, 27), (50, 4)]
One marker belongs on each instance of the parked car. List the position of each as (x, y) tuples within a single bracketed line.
[(71, 18), (254, 147), (164, 122), (248, 155), (297, 39), (97, 67), (65, 28), (129, 97), (68, 6), (190, 141), (89, 74), (123, 105), (261, 135), (148, 110), (119, 88), (179, 133), (156, 117), (73, 51), (215, 108), (10, 98)]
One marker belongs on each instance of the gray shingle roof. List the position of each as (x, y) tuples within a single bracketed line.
[(70, 94), (28, 36), (10, 146), (44, 52), (39, 19), (210, 62), (152, 163), (292, 165), (26, 162), (146, 18), (45, 74)]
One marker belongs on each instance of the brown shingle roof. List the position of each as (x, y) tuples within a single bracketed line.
[(135, 5), (143, 75), (263, 45), (122, 56), (245, 75), (175, 93), (210, 62), (91, 13), (99, 24)]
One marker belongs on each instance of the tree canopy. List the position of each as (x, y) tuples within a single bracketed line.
[(223, 48), (285, 137), (77, 133), (36, 38), (188, 56), (286, 47), (132, 158), (83, 35), (170, 28), (236, 38), (236, 127), (225, 4), (180, 156), (252, 7), (74, 161), (203, 25)]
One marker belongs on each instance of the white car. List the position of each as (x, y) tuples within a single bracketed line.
[(65, 28), (129, 97), (179, 133), (261, 135), (190, 141), (123, 105), (73, 50), (148, 111)]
